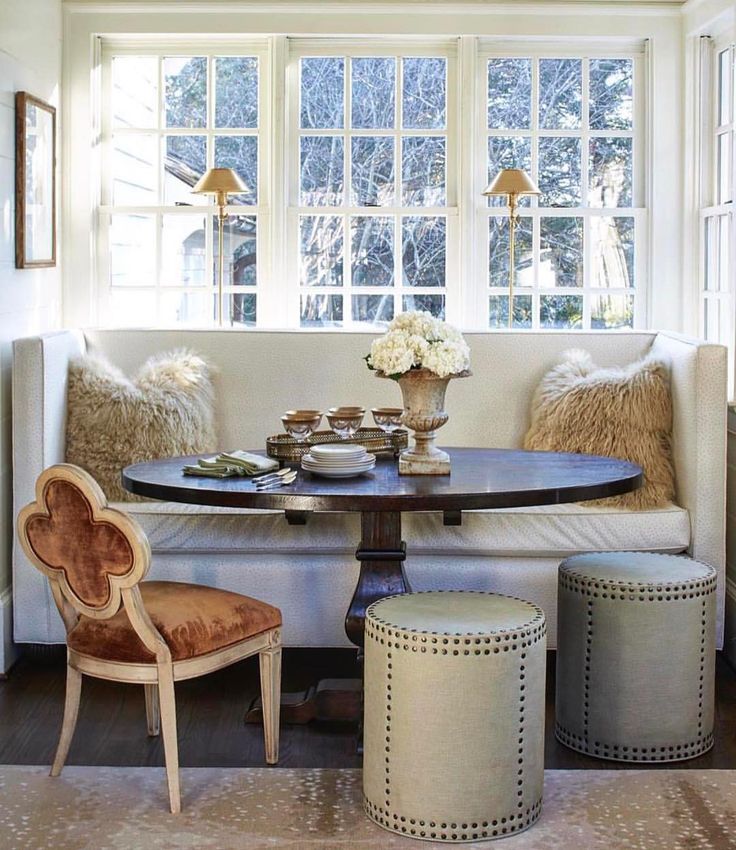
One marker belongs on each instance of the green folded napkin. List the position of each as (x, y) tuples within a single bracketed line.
[(230, 464)]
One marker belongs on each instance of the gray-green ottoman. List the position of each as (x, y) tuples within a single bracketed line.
[(636, 656)]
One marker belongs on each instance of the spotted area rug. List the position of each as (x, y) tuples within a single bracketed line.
[(115, 808)]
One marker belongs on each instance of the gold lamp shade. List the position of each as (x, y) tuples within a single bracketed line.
[(220, 182), (512, 181)]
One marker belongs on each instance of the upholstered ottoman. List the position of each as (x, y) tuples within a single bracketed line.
[(636, 656), (454, 714)]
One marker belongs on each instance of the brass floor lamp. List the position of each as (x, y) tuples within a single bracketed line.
[(512, 182), (220, 182)]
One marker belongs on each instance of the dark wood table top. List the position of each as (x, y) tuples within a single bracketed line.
[(480, 478)]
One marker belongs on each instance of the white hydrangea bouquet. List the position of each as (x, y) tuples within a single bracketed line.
[(417, 340)]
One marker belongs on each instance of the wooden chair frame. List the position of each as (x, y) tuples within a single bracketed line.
[(157, 677)]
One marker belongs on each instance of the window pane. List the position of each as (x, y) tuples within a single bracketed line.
[(560, 93), (322, 92), (373, 308), (373, 171), (712, 319), (186, 91), (508, 152), (610, 173), (612, 252), (187, 308), (134, 170), (424, 102), (561, 311), (423, 171), (372, 253), (322, 171), (183, 251), (424, 251), (185, 162), (132, 309), (241, 154), (243, 308), (321, 250), (236, 91), (321, 310), (240, 250), (611, 94), (498, 252), (724, 111), (134, 91), (711, 253), (724, 244), (561, 252), (723, 167), (509, 94), (434, 304), (612, 311), (374, 93), (133, 250), (498, 311), (559, 172)]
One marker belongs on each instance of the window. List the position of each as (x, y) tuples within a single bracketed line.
[(171, 116), (718, 240), (361, 199), (374, 185), (571, 123)]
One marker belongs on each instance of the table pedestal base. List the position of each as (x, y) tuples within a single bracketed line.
[(381, 554)]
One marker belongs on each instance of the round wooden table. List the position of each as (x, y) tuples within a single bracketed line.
[(480, 478)]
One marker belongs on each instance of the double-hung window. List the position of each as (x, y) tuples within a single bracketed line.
[(373, 181), (572, 120), (169, 115)]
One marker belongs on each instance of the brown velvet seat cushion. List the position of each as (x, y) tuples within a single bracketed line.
[(192, 619)]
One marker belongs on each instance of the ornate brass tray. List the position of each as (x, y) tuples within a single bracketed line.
[(376, 441)]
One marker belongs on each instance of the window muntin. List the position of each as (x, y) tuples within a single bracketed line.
[(173, 115), (374, 190), (570, 122)]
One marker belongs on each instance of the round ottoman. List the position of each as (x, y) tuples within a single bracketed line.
[(454, 714), (636, 656)]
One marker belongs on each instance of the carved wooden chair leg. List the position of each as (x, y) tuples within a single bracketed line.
[(152, 709), (71, 711), (270, 666), (167, 704)]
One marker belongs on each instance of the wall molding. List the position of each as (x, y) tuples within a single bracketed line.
[(8, 650)]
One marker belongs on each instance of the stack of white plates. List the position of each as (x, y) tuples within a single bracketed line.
[(337, 461)]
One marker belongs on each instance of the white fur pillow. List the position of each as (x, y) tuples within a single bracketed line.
[(167, 409), (624, 413)]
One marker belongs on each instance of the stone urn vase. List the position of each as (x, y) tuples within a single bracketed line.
[(424, 413)]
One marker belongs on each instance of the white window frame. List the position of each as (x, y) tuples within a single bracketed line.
[(714, 251), (367, 47), (173, 47), (559, 49)]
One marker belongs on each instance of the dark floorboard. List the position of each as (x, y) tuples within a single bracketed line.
[(112, 726)]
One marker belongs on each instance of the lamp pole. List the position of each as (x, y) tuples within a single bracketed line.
[(513, 220), (221, 218)]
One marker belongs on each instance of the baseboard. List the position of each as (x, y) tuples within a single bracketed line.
[(8, 650), (729, 640)]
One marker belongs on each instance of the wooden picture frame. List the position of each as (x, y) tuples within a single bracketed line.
[(35, 182)]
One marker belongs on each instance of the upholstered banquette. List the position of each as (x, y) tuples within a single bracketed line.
[(309, 571)]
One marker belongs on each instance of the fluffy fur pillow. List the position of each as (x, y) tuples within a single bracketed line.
[(623, 413), (112, 421)]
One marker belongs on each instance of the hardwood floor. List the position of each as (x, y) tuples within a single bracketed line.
[(112, 719)]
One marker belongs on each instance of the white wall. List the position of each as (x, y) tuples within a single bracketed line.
[(30, 299), (598, 21)]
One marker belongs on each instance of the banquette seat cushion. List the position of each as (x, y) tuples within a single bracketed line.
[(192, 619)]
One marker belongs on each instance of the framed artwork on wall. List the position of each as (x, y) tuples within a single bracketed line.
[(35, 182)]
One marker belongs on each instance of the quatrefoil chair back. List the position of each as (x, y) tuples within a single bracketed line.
[(124, 629)]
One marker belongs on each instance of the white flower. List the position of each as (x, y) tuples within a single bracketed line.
[(417, 339)]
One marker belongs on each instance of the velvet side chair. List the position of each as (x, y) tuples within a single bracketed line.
[(120, 628)]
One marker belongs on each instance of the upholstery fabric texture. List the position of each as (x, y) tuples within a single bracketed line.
[(616, 412), (167, 409), (71, 540), (192, 619)]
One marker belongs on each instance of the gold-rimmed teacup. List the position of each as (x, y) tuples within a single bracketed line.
[(345, 421), (388, 419), (301, 424)]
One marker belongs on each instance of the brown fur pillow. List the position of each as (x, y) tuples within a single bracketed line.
[(624, 413), (113, 421)]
